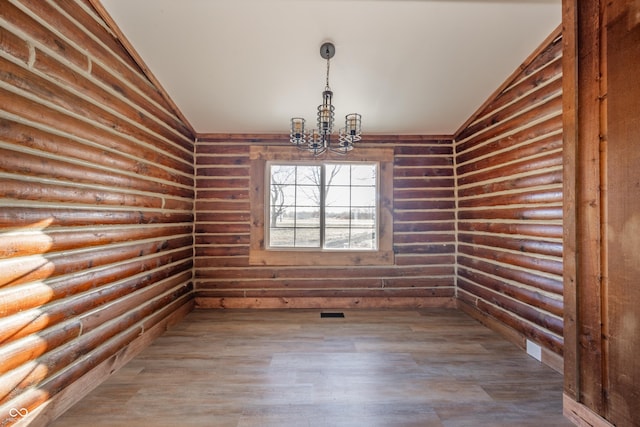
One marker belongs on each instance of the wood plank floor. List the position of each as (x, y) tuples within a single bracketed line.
[(432, 367)]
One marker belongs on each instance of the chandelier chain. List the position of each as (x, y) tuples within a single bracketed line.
[(327, 85)]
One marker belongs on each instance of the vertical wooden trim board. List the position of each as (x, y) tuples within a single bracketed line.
[(602, 118), (96, 203)]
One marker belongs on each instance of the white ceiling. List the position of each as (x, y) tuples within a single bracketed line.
[(408, 66)]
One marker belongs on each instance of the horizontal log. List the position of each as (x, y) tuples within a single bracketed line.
[(416, 216), (436, 248), (23, 135), (218, 160), (89, 131), (547, 339), (516, 244), (34, 165), (221, 183), (215, 262), (524, 166), (545, 265), (422, 193), (541, 94), (423, 182), (221, 228), (204, 301), (533, 280), (14, 217), (542, 319), (510, 184), (531, 197), (225, 217), (216, 239), (424, 204), (87, 21), (442, 147), (548, 71), (204, 149), (34, 346), (36, 31), (223, 171), (402, 260), (419, 161), (39, 87), (39, 319), (534, 230), (226, 194), (222, 251), (28, 190), (438, 292), (223, 205), (550, 107), (528, 213), (23, 270), (419, 172), (22, 298), (523, 294), (71, 79), (55, 241), (418, 227), (421, 238), (548, 144), (14, 45), (549, 126)]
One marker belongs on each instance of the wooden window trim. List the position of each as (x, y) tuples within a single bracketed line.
[(258, 255)]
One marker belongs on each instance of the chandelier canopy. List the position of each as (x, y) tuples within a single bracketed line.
[(318, 140)]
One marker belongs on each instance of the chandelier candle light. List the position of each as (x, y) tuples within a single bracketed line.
[(319, 140)]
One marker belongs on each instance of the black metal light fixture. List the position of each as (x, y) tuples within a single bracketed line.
[(319, 140)]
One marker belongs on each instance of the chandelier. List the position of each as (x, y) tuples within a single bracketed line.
[(318, 140)]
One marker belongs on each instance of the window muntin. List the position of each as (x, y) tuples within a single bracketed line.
[(322, 206)]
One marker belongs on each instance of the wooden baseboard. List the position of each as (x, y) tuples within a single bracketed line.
[(323, 303), (549, 358), (61, 402), (580, 415)]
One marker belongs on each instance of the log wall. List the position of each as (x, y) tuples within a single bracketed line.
[(509, 195), (423, 238), (96, 200)]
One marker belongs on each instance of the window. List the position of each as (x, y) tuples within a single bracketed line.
[(334, 211), (329, 205)]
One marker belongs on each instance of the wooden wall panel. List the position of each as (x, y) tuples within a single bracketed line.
[(423, 239), (96, 202), (602, 112), (509, 200)]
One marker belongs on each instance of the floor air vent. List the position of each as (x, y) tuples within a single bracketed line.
[(331, 314)]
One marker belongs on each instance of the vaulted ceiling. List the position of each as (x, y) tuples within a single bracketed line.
[(408, 66)]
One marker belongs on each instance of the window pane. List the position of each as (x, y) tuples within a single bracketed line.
[(283, 195), (363, 196), (363, 239), (336, 238), (363, 218), (308, 195), (337, 196), (308, 218), (337, 174), (307, 238), (281, 237), (283, 174), (364, 174), (337, 217), (308, 175)]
